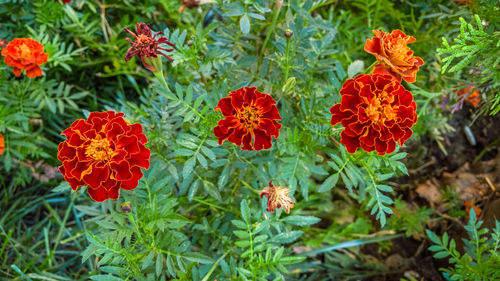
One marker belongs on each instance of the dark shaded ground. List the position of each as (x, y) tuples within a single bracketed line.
[(432, 165)]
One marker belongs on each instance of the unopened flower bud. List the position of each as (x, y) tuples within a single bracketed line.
[(189, 43), (127, 207), (288, 33)]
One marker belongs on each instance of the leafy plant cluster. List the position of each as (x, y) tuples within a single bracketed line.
[(197, 213), (482, 252), (474, 47)]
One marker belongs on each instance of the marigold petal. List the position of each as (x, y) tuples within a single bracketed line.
[(272, 114), (225, 107), (262, 140), (133, 182), (141, 159), (237, 135), (373, 45), (270, 127), (34, 72), (116, 127), (99, 174), (228, 123), (337, 114), (101, 194), (65, 152), (222, 136), (121, 170), (351, 143), (381, 147), (249, 95), (73, 182), (246, 140), (130, 144)]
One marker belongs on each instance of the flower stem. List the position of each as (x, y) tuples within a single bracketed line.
[(268, 36), (161, 79), (287, 60)]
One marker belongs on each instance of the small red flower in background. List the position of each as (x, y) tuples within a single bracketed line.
[(64, 1), (395, 56), (145, 46), (277, 197), (376, 112), (470, 204), (2, 144), (464, 2), (470, 95), (105, 153), (27, 54), (249, 119)]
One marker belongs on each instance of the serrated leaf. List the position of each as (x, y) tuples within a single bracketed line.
[(188, 167), (329, 183), (245, 24)]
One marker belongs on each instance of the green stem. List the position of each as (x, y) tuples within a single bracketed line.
[(287, 60), (249, 187), (370, 68), (161, 79), (268, 35)]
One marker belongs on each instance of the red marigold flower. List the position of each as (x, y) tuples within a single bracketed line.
[(395, 56), (145, 46), (27, 54), (2, 144), (277, 197), (376, 112), (105, 153), (250, 119)]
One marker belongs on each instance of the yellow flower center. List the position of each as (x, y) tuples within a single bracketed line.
[(399, 51), (99, 150), (25, 51), (380, 110), (249, 117)]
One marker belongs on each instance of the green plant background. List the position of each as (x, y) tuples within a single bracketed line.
[(197, 213)]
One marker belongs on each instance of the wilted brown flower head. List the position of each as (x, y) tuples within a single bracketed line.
[(277, 197), (145, 46), (189, 4)]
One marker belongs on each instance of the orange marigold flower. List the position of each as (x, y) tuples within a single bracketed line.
[(395, 56), (277, 197), (250, 119), (471, 96), (376, 112), (105, 153), (27, 54), (2, 144), (145, 46)]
